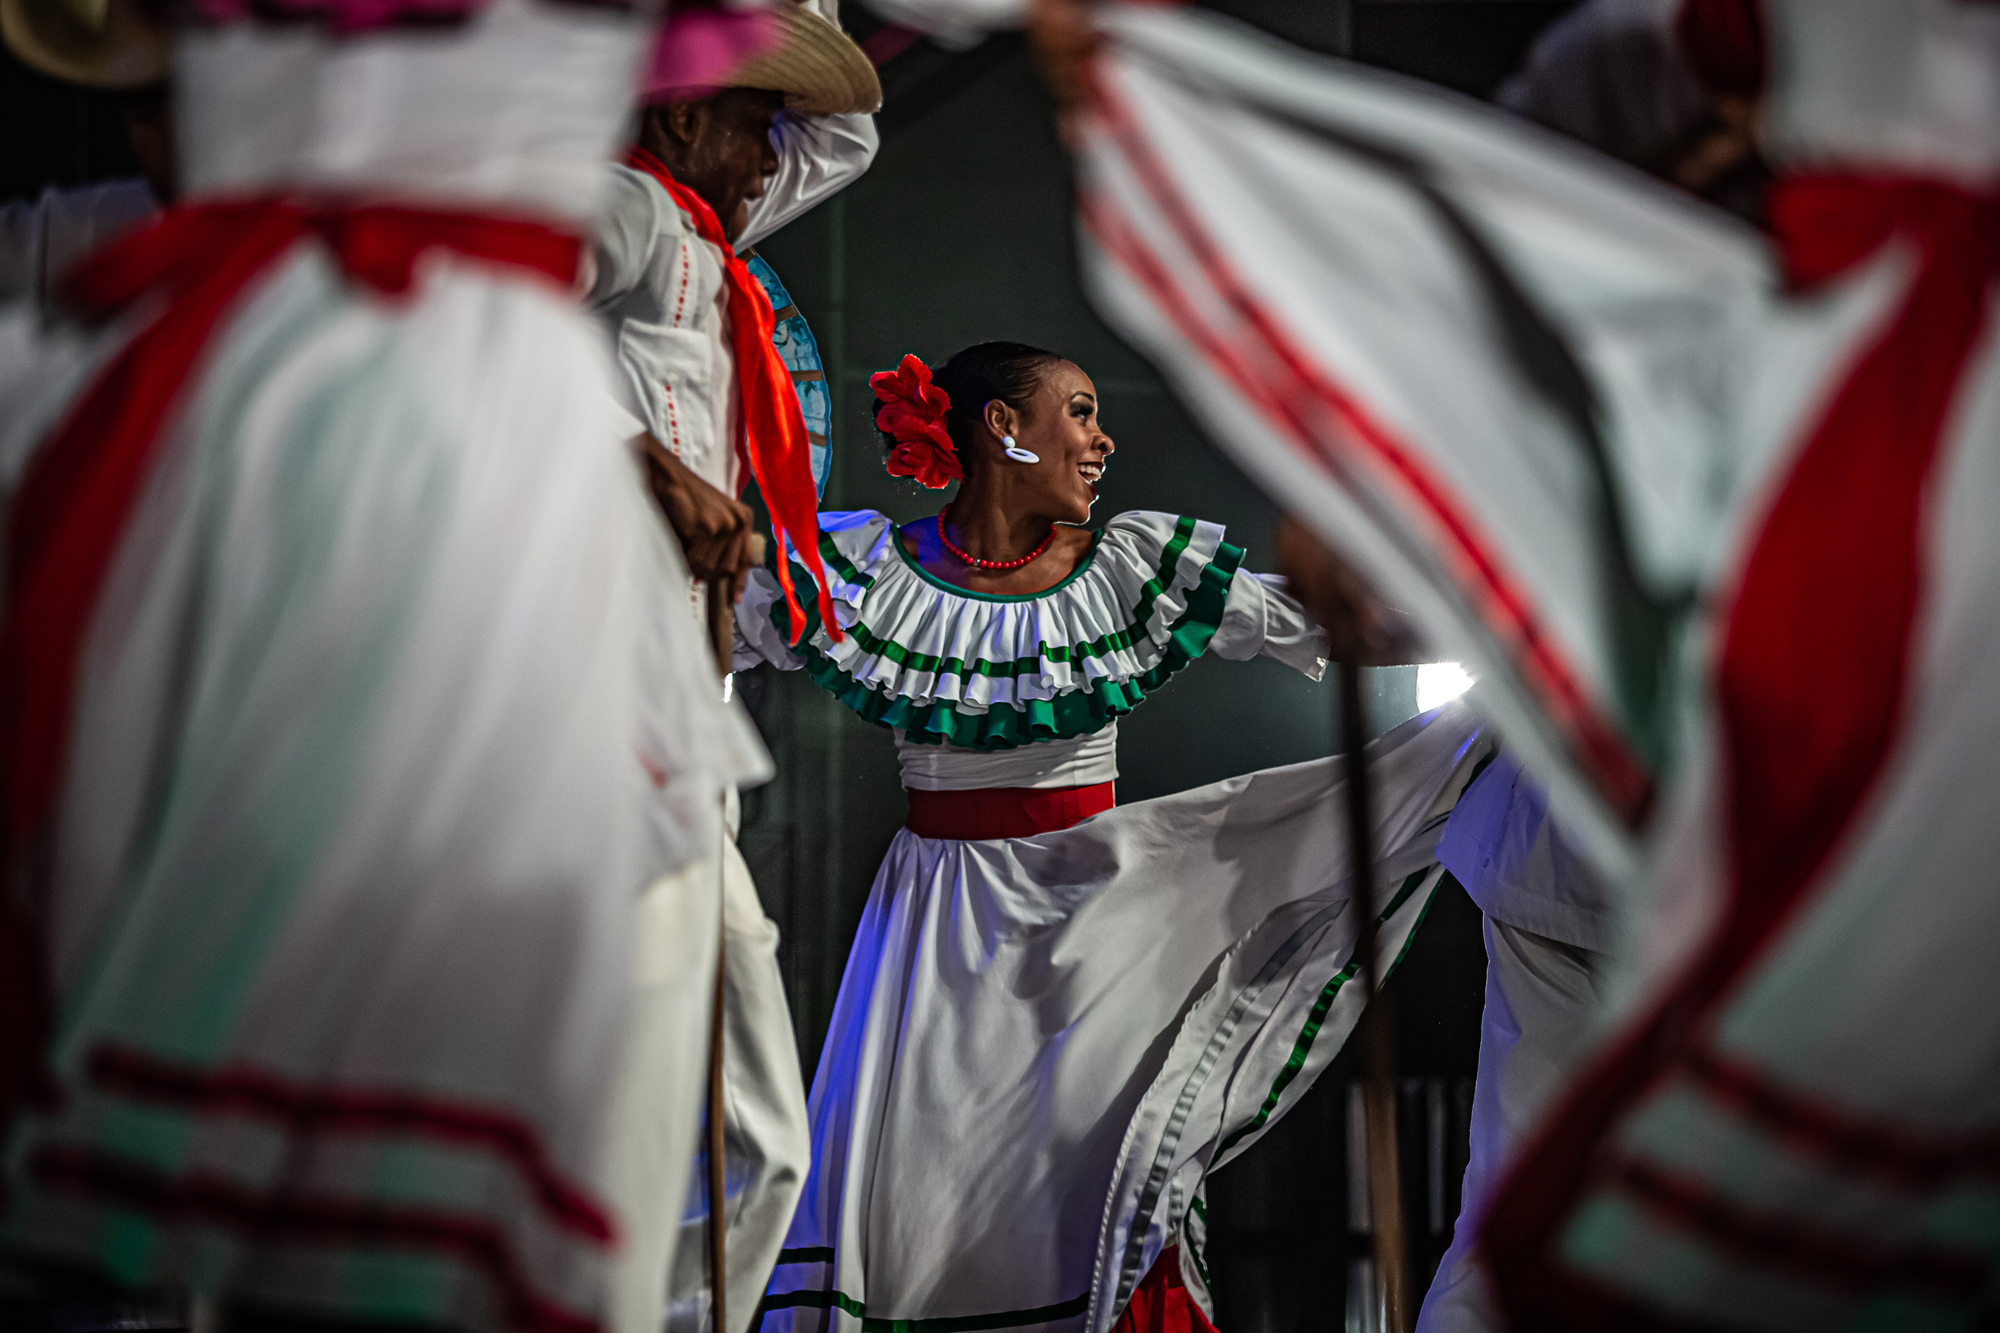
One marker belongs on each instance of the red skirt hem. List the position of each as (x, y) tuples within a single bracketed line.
[(1161, 1303)]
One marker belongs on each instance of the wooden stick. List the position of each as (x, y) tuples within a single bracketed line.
[(718, 1199), (721, 629), (1376, 1030), (721, 635)]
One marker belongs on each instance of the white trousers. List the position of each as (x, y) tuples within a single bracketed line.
[(1540, 996)]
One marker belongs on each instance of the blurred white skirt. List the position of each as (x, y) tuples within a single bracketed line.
[(388, 713)]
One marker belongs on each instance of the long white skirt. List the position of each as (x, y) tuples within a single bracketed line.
[(1043, 1045), (387, 717)]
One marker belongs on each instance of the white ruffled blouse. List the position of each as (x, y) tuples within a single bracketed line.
[(985, 690)]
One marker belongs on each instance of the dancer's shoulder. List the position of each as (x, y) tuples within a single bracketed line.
[(856, 546), (1157, 545)]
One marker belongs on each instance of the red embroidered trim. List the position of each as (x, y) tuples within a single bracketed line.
[(306, 1110), (681, 293), (290, 1216), (1004, 812), (673, 421)]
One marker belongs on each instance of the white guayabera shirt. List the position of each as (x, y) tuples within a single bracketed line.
[(659, 287)]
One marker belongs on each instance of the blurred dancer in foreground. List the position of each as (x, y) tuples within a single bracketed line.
[(703, 386), (1612, 74), (345, 728), (1709, 519), (1058, 1016)]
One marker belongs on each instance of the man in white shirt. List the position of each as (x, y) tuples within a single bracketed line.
[(712, 169), (793, 127)]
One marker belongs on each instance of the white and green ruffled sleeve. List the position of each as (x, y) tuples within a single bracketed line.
[(760, 637), (1231, 611), (851, 544)]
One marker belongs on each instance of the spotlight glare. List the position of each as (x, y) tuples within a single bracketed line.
[(1438, 683)]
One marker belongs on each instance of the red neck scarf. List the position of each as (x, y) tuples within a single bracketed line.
[(68, 515), (774, 429)]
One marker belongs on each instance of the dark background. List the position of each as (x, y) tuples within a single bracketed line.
[(54, 133), (961, 232)]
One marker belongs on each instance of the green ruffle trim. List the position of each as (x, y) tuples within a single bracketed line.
[(1005, 726)]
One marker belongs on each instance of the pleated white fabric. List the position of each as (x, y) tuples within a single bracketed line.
[(1042, 1045), (1494, 369), (388, 716)]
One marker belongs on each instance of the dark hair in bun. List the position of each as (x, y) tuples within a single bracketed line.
[(982, 372)]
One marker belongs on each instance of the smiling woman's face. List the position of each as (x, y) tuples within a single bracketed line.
[(1060, 427)]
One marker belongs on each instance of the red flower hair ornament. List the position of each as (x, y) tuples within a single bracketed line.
[(911, 412)]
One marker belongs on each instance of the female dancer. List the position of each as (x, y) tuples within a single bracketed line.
[(1049, 1030)]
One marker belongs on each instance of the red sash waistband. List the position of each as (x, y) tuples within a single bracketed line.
[(1004, 812)]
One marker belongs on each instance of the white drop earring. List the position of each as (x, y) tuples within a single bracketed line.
[(1016, 452)]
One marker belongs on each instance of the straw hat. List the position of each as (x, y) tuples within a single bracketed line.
[(100, 43), (815, 65)]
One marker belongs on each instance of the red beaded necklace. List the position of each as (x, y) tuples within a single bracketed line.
[(973, 560)]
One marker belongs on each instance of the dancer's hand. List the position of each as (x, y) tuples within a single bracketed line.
[(1360, 626), (715, 530)]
